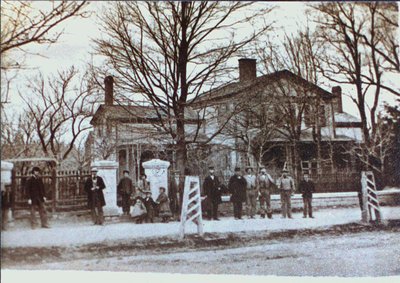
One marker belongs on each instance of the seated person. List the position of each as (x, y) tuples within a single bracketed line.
[(139, 212)]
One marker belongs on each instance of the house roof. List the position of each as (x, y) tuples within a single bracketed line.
[(129, 113), (235, 88)]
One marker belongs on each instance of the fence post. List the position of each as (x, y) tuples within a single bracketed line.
[(13, 192), (54, 189), (364, 196)]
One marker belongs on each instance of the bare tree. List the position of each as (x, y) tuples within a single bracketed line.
[(104, 147), (23, 24), (79, 154), (170, 52), (391, 122), (250, 127), (297, 105), (361, 48), (18, 137), (60, 109)]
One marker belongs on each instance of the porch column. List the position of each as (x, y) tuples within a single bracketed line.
[(132, 166), (126, 157), (108, 171)]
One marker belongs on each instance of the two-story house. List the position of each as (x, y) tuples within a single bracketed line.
[(275, 120), (281, 120), (130, 134)]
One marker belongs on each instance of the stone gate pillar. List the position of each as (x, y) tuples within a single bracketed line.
[(108, 171), (6, 168), (156, 171)]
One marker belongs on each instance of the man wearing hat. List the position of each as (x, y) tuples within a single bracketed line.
[(37, 199), (307, 188), (237, 186), (251, 192), (125, 189), (212, 189), (94, 187), (264, 186), (286, 187)]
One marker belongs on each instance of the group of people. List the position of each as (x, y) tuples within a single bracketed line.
[(136, 201), (249, 187)]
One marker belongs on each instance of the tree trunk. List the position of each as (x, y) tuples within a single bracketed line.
[(361, 109), (296, 162), (181, 150)]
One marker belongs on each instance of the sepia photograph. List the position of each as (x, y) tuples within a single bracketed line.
[(200, 141)]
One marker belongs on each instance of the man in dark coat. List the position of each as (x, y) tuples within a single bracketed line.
[(173, 194), (237, 186), (94, 187), (212, 190), (307, 188), (125, 189), (37, 199)]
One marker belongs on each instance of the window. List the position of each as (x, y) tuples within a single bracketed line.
[(221, 112), (310, 116), (308, 119), (253, 119)]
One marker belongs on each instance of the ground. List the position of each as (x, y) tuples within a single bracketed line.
[(335, 243), (346, 253)]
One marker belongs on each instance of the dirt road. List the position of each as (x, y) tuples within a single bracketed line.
[(353, 251)]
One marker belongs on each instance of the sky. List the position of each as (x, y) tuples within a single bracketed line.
[(75, 48)]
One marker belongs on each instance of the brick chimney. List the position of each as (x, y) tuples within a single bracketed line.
[(247, 70), (109, 90), (337, 93)]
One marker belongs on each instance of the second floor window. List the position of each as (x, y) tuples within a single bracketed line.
[(310, 116), (321, 116), (221, 113)]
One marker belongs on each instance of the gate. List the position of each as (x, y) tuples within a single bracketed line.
[(64, 190)]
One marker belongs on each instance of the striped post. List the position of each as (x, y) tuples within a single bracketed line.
[(191, 205), (371, 205)]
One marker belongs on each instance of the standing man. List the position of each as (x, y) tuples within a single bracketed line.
[(173, 195), (264, 186), (237, 186), (251, 193), (286, 187), (212, 189), (37, 199), (94, 187), (307, 187), (125, 189)]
